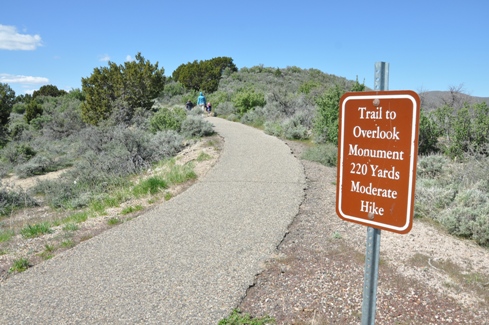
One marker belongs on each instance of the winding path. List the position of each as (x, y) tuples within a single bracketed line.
[(188, 261)]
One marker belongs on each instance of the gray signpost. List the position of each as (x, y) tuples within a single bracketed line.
[(372, 255)]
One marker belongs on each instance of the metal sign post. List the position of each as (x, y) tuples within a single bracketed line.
[(372, 255)]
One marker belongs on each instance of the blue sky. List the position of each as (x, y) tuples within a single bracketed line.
[(429, 45)]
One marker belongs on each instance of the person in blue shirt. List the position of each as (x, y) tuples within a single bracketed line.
[(201, 101)]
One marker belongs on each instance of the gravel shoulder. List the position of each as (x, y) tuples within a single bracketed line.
[(316, 277)]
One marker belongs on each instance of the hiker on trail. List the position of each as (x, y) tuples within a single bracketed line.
[(201, 101), (208, 108), (189, 105)]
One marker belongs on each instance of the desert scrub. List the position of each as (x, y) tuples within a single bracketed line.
[(165, 144), (468, 217), (297, 126), (196, 126), (253, 118), (167, 119), (431, 166), (274, 128), (17, 152), (325, 154), (455, 194), (11, 200)]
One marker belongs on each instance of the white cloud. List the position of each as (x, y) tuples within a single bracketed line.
[(129, 58), (10, 78), (10, 39), (104, 58), (30, 91)]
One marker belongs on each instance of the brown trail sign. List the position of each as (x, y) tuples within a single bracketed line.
[(377, 154)]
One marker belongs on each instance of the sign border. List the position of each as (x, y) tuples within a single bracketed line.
[(408, 94)]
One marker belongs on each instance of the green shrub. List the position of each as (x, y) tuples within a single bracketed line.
[(19, 265), (36, 230), (218, 97), (39, 165), (325, 154), (196, 126), (204, 75), (295, 130), (172, 89), (459, 220), (233, 117), (326, 120), (253, 118), (274, 128), (109, 156), (151, 186), (467, 216), (33, 110), (5, 168), (19, 108), (11, 200), (225, 108), (17, 126), (432, 198), (136, 82), (471, 198), (247, 99), (428, 134), (63, 193), (165, 144), (431, 166), (167, 119), (238, 318), (480, 232), (17, 153), (115, 151)]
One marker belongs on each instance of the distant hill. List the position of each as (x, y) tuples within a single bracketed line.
[(433, 99)]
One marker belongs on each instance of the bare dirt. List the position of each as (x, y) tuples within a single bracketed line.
[(316, 276), (425, 277)]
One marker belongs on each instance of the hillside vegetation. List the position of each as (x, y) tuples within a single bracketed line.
[(129, 117)]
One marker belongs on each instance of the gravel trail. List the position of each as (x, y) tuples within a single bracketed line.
[(188, 261)]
